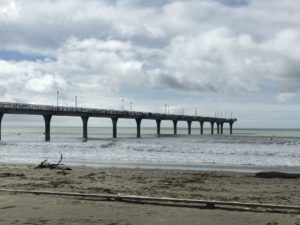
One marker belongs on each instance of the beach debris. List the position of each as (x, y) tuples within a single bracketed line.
[(12, 175), (275, 174), (63, 172), (45, 164)]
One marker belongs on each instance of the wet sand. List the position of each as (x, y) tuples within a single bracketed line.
[(225, 186)]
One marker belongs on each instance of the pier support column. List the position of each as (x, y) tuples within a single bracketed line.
[(175, 126), (222, 124), (85, 127), (201, 127), (218, 128), (47, 119), (1, 116), (230, 124), (158, 127), (138, 127), (189, 127), (114, 122), (212, 127)]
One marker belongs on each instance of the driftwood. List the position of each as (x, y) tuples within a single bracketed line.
[(274, 174), (240, 206), (45, 164)]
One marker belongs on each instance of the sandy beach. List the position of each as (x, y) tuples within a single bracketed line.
[(224, 186)]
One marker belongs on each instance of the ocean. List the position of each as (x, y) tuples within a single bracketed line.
[(246, 150)]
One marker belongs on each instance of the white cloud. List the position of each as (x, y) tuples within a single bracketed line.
[(44, 83), (283, 97), (9, 11), (94, 49)]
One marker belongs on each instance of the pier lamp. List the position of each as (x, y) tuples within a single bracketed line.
[(57, 93), (76, 101), (130, 106), (122, 103)]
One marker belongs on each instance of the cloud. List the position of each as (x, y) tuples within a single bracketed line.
[(88, 68), (9, 12), (96, 49), (234, 2), (283, 97), (219, 60)]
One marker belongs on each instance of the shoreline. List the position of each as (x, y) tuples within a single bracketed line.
[(179, 167)]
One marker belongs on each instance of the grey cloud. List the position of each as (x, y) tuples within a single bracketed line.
[(234, 2), (197, 46), (186, 85)]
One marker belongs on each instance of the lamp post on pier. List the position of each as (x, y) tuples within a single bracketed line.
[(57, 93)]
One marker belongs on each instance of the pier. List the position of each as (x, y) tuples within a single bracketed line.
[(48, 111)]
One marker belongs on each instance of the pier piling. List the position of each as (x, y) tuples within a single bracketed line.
[(189, 122), (222, 125), (175, 126), (138, 127), (212, 127), (158, 122), (85, 127), (114, 122), (201, 127), (1, 116), (47, 119), (230, 124)]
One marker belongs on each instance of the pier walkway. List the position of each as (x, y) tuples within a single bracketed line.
[(48, 111)]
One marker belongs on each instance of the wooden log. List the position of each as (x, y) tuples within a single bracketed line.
[(165, 201), (274, 174)]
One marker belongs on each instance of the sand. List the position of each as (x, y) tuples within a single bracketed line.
[(225, 186)]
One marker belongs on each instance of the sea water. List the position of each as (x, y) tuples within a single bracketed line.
[(245, 150)]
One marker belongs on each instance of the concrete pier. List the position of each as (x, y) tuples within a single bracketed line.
[(85, 120), (47, 119), (138, 127), (1, 116), (114, 122), (201, 127), (212, 127), (175, 126), (221, 124), (189, 122), (230, 126), (158, 122), (48, 111)]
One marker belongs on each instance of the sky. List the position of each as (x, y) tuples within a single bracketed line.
[(235, 57)]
